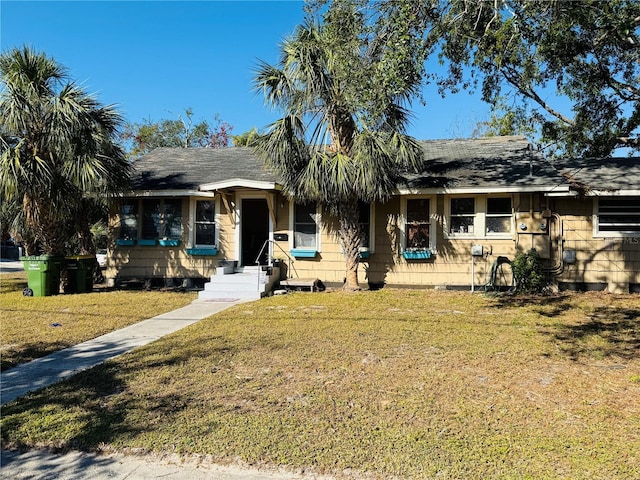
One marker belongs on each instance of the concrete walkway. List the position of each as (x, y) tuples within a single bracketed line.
[(60, 365), (39, 464)]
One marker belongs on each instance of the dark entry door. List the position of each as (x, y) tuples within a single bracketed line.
[(255, 230)]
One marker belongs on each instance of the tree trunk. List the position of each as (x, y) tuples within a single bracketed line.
[(44, 221), (350, 237), (85, 237)]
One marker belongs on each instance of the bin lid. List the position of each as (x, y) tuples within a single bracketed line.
[(39, 258)]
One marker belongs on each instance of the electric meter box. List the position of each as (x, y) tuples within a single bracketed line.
[(532, 224)]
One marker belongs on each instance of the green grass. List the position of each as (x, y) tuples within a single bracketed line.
[(393, 383), (33, 327)]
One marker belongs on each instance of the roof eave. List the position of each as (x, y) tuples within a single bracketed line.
[(600, 193), (560, 189), (168, 193), (240, 183)]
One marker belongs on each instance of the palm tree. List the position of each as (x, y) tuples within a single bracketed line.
[(58, 147), (342, 138)]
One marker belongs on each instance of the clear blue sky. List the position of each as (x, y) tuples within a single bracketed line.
[(156, 58)]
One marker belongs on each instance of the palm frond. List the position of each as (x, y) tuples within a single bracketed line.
[(63, 145), (274, 85)]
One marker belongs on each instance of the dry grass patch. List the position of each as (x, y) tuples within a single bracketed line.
[(33, 327), (394, 383)]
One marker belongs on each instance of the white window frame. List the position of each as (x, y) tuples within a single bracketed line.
[(476, 224), (292, 227), (371, 232), (480, 216), (192, 221), (433, 220), (597, 233), (507, 234)]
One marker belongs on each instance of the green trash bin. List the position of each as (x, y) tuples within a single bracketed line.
[(43, 275), (80, 273)]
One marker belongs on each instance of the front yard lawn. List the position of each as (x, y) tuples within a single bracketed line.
[(385, 384), (33, 327)]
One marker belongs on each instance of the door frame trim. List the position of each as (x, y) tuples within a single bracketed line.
[(239, 206)]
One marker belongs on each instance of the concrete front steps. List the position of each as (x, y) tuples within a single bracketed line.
[(240, 283)]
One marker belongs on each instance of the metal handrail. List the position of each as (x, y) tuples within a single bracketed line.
[(289, 262)]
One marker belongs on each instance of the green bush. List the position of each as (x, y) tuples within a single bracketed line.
[(529, 273)]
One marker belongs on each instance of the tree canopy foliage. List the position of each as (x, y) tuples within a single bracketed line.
[(179, 133), (246, 139), (59, 151), (572, 66), (567, 71)]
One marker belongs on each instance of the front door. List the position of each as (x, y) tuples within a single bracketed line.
[(255, 230)]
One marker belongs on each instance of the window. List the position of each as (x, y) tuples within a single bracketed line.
[(418, 225), (150, 219), (129, 219), (364, 219), (171, 219), (463, 215), (205, 222), (479, 216), (161, 218), (305, 227), (619, 216), (498, 217)]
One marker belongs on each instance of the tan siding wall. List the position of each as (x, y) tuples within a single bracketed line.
[(174, 262), (226, 240), (451, 266), (162, 262), (280, 249), (611, 261)]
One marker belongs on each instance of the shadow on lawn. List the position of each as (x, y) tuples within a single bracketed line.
[(545, 305), (10, 284), (605, 332), (88, 391), (617, 331), (95, 406), (25, 353)]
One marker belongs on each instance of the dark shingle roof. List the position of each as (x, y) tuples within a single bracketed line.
[(485, 163), (187, 168), (606, 174)]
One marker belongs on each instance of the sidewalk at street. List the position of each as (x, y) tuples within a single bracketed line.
[(41, 465), (7, 266)]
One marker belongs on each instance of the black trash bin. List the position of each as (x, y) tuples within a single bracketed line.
[(80, 273)]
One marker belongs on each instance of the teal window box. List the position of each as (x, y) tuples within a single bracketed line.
[(420, 255), (169, 242), (145, 242), (303, 253), (125, 242), (202, 251), (364, 253)]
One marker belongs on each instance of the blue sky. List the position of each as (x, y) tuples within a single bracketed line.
[(156, 58)]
